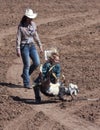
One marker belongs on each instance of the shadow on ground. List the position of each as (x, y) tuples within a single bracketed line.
[(10, 85), (32, 101)]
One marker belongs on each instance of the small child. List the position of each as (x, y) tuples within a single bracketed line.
[(53, 65), (51, 69)]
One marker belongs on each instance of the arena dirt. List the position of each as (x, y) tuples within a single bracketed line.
[(74, 28)]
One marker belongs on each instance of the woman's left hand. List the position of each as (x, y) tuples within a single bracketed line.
[(41, 49)]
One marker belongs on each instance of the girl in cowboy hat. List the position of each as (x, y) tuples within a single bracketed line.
[(25, 45)]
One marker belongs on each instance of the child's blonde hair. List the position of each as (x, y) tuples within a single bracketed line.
[(49, 53), (54, 57)]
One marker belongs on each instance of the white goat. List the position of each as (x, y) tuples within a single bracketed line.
[(57, 89)]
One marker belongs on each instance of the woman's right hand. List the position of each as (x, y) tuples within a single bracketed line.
[(18, 52)]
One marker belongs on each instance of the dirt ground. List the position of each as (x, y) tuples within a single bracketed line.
[(73, 26)]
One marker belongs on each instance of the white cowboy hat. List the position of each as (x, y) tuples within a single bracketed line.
[(29, 13)]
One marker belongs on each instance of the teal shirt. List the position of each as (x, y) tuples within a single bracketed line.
[(56, 70)]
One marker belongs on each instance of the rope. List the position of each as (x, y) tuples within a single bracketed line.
[(89, 99)]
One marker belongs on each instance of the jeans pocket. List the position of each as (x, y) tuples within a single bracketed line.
[(22, 47)]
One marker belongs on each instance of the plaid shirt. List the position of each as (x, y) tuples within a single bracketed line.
[(27, 34)]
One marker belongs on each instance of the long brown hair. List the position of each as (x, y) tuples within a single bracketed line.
[(23, 20)]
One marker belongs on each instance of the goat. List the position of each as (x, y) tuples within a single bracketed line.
[(57, 89)]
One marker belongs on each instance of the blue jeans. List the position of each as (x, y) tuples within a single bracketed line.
[(27, 52)]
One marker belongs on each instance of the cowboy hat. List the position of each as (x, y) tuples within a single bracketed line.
[(29, 13)]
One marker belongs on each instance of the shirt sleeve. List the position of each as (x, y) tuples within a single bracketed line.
[(18, 38), (57, 70), (45, 69), (36, 36)]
